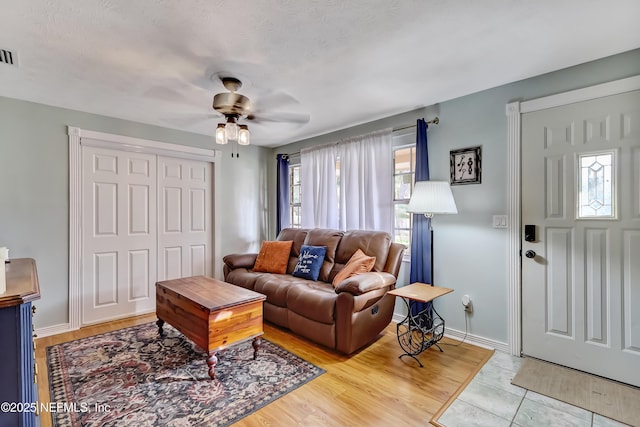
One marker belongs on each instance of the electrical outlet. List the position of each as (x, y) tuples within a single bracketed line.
[(467, 304)]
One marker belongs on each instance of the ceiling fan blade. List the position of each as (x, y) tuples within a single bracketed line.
[(192, 119), (275, 100), (280, 117), (167, 94)]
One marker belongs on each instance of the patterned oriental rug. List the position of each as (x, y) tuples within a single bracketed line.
[(134, 377)]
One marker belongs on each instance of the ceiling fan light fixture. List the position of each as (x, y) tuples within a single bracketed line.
[(221, 134), (244, 138)]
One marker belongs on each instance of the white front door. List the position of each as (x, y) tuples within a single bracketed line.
[(185, 219), (119, 234), (581, 271)]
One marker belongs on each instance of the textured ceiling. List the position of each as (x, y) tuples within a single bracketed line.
[(342, 62)]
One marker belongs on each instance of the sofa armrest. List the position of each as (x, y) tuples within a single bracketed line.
[(365, 282), (234, 261)]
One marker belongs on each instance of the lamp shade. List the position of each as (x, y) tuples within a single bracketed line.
[(432, 197)]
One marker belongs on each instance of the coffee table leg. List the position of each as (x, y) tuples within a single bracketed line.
[(160, 323), (256, 344), (211, 361)]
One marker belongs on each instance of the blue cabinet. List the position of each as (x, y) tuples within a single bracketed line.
[(18, 378)]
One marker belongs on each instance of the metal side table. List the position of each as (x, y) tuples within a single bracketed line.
[(419, 331)]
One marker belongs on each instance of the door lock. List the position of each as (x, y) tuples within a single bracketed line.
[(530, 233)]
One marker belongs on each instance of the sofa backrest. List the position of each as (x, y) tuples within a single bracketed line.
[(330, 239), (394, 259), (297, 235), (341, 245), (372, 243)]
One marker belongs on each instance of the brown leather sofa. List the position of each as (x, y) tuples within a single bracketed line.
[(344, 318)]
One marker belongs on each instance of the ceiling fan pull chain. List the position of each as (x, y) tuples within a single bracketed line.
[(234, 147)]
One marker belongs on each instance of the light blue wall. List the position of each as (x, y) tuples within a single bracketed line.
[(471, 255), (34, 191)]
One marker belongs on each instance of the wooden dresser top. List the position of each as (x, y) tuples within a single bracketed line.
[(22, 282)]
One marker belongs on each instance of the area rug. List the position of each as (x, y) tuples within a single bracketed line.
[(135, 377), (605, 397)]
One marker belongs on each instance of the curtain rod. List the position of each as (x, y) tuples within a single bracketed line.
[(435, 121)]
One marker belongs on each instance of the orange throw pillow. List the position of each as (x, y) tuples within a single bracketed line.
[(358, 263), (273, 257)]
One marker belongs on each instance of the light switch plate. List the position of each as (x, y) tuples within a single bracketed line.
[(499, 221)]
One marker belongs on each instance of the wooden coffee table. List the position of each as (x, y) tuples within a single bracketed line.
[(211, 313)]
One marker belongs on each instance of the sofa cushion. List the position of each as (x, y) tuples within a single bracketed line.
[(273, 257), (310, 261), (358, 263), (274, 288), (330, 239)]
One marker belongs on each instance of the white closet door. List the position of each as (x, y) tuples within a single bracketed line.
[(184, 218), (119, 234)]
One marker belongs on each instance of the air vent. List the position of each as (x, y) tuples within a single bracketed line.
[(8, 57)]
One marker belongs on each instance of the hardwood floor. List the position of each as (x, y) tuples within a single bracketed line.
[(371, 388)]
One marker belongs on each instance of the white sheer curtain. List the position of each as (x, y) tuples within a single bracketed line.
[(319, 202), (366, 190), (366, 177)]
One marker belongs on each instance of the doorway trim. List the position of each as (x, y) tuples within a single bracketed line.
[(79, 138), (514, 111)]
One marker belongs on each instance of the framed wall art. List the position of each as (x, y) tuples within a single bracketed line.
[(466, 165)]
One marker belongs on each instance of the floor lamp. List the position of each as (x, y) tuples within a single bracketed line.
[(432, 198), (423, 326)]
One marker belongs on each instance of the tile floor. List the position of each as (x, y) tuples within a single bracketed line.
[(491, 400)]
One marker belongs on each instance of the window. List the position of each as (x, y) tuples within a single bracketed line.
[(596, 185), (295, 196), (404, 160), (404, 166), (295, 193)]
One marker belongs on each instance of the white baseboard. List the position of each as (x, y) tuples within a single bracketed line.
[(478, 340), (53, 330), (398, 317), (471, 339), (66, 327)]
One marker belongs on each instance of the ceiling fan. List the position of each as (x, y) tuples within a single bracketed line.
[(235, 106)]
